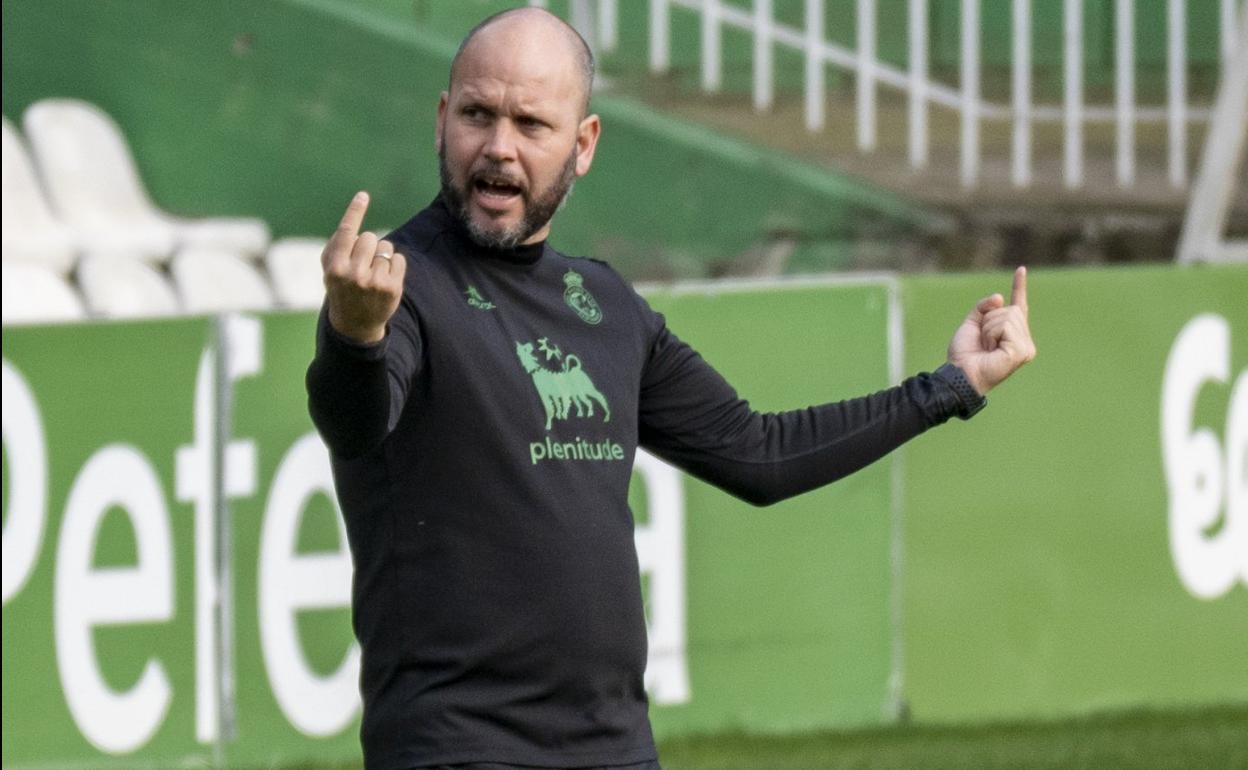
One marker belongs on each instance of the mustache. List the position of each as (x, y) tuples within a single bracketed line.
[(495, 172)]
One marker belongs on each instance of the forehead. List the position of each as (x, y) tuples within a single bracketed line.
[(532, 63)]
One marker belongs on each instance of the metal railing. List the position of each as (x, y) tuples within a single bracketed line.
[(598, 21)]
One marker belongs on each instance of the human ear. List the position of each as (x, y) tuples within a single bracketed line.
[(587, 134), (438, 126)]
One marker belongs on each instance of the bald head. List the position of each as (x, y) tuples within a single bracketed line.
[(504, 31)]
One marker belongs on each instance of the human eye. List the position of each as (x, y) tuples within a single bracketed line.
[(475, 113), (531, 123)]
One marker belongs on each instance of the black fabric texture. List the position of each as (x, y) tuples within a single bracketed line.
[(482, 454)]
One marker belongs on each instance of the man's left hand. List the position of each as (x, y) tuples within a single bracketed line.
[(994, 340)]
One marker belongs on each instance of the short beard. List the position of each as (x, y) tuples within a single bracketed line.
[(537, 211)]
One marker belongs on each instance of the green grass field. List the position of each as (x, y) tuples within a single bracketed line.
[(1210, 738), (1213, 738)]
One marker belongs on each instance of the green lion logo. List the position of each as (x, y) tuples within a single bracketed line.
[(564, 388)]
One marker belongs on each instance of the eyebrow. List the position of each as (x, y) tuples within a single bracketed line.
[(470, 97)]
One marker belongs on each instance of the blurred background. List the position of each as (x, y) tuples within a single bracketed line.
[(814, 192)]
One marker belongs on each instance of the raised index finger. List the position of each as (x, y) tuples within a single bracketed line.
[(1018, 294)]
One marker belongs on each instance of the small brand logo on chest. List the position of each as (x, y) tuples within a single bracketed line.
[(476, 300)]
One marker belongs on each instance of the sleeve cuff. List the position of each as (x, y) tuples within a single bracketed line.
[(968, 400), (343, 346)]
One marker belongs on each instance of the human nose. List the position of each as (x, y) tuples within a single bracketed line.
[(501, 144)]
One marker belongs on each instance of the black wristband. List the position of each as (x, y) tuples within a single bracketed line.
[(970, 400)]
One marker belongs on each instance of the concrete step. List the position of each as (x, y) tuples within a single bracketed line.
[(992, 223)]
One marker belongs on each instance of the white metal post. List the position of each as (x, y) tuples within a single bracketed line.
[(1124, 89), (763, 55), (814, 65), (660, 36), (1073, 114), (608, 25), (1226, 28), (1020, 167), (918, 83), (1176, 89), (970, 92), (712, 69), (581, 17), (866, 74), (1204, 226)]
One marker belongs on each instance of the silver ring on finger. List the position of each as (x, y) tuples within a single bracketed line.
[(386, 257)]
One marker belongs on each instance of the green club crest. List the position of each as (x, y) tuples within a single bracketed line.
[(579, 298)]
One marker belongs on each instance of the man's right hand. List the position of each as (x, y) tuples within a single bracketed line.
[(363, 277)]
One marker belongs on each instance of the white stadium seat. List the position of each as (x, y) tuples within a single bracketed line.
[(94, 186), (31, 232), (294, 266), (37, 294), (213, 281), (115, 287)]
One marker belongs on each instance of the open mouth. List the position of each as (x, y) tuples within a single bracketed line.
[(495, 190)]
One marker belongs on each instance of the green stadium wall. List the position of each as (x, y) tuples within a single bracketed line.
[(1040, 579), (1060, 554)]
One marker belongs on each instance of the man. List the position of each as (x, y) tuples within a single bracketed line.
[(483, 395)]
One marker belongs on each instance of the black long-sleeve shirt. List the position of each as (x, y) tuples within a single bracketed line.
[(482, 455)]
